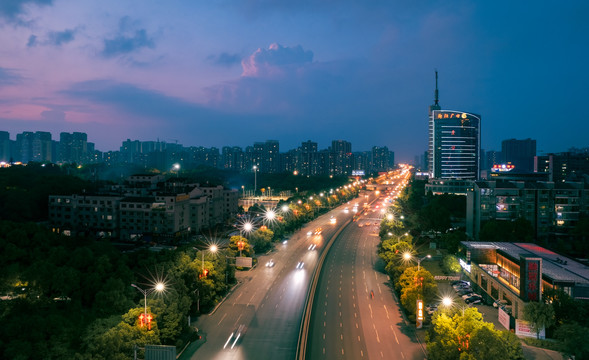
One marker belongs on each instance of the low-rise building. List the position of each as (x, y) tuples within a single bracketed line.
[(143, 209), (520, 272)]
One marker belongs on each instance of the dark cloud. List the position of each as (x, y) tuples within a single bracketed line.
[(129, 39), (225, 59), (11, 10), (267, 61), (32, 41), (58, 38), (9, 77), (53, 38)]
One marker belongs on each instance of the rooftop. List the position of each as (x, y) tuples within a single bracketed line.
[(557, 267)]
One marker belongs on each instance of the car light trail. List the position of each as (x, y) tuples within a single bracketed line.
[(228, 340)]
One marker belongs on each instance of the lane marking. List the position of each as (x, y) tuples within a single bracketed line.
[(221, 319)]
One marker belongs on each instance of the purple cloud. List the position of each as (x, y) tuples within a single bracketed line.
[(128, 40), (265, 62), (9, 77), (224, 59)]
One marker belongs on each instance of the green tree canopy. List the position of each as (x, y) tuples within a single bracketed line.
[(539, 315)]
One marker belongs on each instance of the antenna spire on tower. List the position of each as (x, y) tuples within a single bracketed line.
[(436, 93)]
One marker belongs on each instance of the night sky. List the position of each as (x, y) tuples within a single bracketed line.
[(215, 73)]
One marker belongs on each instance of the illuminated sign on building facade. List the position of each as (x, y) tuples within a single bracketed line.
[(502, 167), (530, 279)]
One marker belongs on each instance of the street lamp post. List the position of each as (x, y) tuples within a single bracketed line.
[(159, 287), (255, 179), (408, 256), (423, 258)]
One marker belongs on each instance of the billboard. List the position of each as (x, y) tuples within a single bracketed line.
[(419, 314), (530, 278), (523, 328), (504, 318), (160, 352), (243, 262)]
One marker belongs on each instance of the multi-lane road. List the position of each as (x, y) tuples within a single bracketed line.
[(354, 315), (267, 306)]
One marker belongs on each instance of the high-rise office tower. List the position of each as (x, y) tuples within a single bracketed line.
[(454, 143), (519, 153)]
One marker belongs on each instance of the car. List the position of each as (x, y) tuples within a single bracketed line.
[(473, 300), (318, 231), (499, 303), (309, 233), (285, 242), (460, 287), (460, 282), (332, 220), (312, 247), (235, 336), (431, 309), (470, 295), (300, 265), (270, 263)]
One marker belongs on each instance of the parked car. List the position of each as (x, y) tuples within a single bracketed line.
[(460, 286), (469, 295), (499, 303), (459, 282), (474, 299)]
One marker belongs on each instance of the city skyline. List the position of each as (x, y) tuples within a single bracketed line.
[(214, 74)]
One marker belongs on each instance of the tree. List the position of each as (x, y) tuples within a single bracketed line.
[(234, 246), (450, 264), (417, 285), (261, 240), (451, 240), (574, 338), (465, 335), (539, 315)]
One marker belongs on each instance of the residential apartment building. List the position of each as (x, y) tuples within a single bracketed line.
[(144, 208), (553, 209)]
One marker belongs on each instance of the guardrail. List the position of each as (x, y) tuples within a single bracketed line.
[(304, 328)]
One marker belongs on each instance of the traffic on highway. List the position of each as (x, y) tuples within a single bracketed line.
[(263, 316)]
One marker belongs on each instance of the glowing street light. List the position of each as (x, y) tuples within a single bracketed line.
[(284, 208), (447, 301), (159, 287), (390, 217), (408, 256)]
